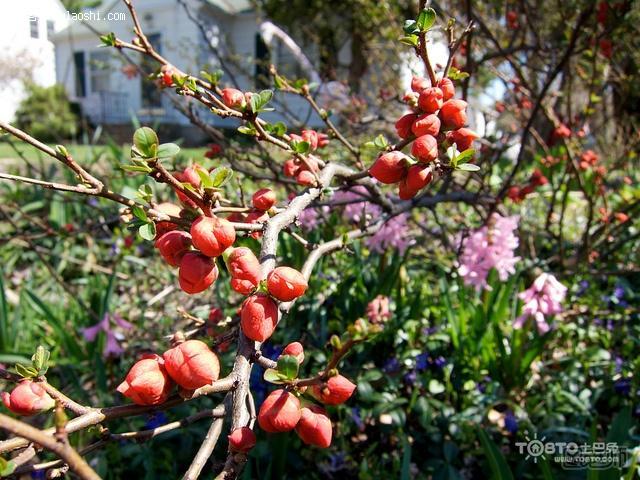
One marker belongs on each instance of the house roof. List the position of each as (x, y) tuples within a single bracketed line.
[(231, 7)]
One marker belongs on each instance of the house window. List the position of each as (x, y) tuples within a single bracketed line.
[(263, 59), (99, 71), (151, 96), (33, 26), (286, 62), (80, 74), (50, 29)]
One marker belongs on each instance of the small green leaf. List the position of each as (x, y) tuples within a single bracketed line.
[(272, 376), (220, 176), (247, 130), (300, 146), (411, 40), (205, 179), (108, 40), (288, 366), (381, 142), (426, 19), (468, 167), (135, 168), (466, 154), (146, 141), (168, 150), (212, 77), (6, 467), (26, 372), (139, 213), (455, 74), (147, 231), (411, 27), (40, 360), (62, 150)]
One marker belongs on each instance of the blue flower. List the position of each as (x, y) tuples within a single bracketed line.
[(410, 378), (155, 420), (422, 361), (357, 419), (510, 423), (391, 366), (622, 386), (440, 362), (582, 288)]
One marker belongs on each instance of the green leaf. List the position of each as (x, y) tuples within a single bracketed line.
[(468, 167), (272, 376), (300, 146), (40, 360), (247, 130), (220, 176), (497, 463), (426, 19), (288, 366), (26, 372), (147, 231), (411, 27), (468, 153), (381, 142), (108, 40), (139, 213), (168, 150), (212, 77), (259, 100), (136, 168), (62, 150), (146, 141), (205, 179), (455, 74), (411, 40), (6, 467)]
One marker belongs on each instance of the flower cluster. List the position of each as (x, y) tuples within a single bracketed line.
[(436, 122), (519, 193), (491, 246), (190, 364), (282, 410), (305, 171), (543, 298)]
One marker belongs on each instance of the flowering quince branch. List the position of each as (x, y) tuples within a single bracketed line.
[(193, 238)]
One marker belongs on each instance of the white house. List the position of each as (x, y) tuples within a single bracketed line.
[(189, 33), (27, 28)]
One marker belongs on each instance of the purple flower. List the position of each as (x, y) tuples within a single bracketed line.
[(357, 419), (622, 386), (155, 420), (510, 423), (113, 337), (411, 377), (309, 217), (391, 366), (618, 292), (393, 234), (544, 297), (489, 247), (440, 362), (422, 361), (582, 288)]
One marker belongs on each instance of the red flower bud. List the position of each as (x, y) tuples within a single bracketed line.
[(28, 398), (462, 137), (430, 100), (310, 136), (233, 98), (294, 349), (418, 177), (427, 124), (147, 383), (403, 125), (192, 364), (323, 140), (280, 412), (538, 179), (189, 175), (286, 284), (242, 440), (448, 89), (212, 235), (166, 73), (264, 199), (244, 268), (259, 317), (314, 427), (291, 168), (197, 272), (168, 209), (425, 148), (305, 177), (173, 245), (256, 217), (418, 84), (453, 113), (389, 167), (336, 391)]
